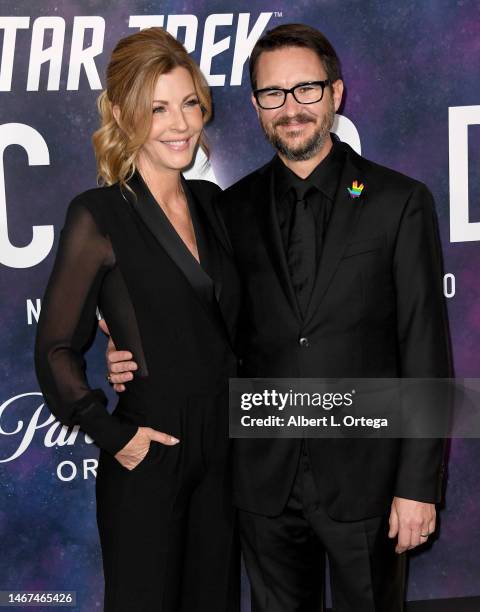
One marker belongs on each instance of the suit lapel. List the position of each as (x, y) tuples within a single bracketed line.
[(345, 214), (208, 206), (268, 221), (205, 229), (212, 238)]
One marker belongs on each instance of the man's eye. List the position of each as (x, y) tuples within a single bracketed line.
[(159, 109), (305, 88), (275, 93)]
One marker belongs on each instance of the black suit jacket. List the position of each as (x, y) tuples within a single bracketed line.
[(377, 310)]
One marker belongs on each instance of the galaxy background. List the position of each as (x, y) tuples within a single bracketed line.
[(404, 64)]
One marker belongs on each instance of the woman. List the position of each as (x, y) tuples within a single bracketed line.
[(148, 250)]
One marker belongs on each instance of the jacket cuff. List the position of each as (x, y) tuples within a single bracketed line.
[(421, 470), (105, 429)]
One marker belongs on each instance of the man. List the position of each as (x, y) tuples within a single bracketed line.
[(339, 281)]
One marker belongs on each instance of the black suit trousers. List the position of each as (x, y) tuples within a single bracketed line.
[(285, 556)]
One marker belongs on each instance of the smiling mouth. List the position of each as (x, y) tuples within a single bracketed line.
[(177, 145), (293, 130), (294, 124)]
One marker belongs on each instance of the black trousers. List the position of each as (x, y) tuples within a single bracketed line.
[(285, 557), (167, 531)]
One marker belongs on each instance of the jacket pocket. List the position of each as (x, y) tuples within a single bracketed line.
[(364, 246)]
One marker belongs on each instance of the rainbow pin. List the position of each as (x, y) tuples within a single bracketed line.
[(355, 190)]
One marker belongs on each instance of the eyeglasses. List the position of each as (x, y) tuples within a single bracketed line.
[(304, 93)]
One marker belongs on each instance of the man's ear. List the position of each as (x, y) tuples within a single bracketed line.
[(337, 89), (255, 105)]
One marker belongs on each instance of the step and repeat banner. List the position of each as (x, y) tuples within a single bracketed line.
[(412, 103)]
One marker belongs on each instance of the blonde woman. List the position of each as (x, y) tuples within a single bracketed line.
[(146, 247)]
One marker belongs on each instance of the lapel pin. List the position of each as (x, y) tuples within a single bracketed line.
[(355, 190)]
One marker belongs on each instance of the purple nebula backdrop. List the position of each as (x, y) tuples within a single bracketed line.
[(404, 66)]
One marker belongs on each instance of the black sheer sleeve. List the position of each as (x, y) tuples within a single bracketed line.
[(66, 323)]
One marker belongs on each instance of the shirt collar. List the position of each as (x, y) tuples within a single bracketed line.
[(324, 176)]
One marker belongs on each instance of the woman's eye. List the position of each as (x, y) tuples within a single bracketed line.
[(159, 109), (193, 102)]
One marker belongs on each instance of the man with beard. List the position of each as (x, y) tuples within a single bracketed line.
[(342, 275)]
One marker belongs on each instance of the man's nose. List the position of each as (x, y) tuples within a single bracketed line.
[(291, 106)]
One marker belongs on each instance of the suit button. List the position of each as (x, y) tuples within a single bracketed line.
[(304, 342)]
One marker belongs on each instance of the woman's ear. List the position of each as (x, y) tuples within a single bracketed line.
[(116, 113)]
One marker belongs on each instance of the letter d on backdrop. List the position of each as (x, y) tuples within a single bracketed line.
[(459, 118)]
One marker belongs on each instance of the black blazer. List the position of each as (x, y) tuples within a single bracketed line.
[(121, 253), (377, 310)]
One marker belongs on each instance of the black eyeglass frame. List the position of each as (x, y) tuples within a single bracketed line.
[(323, 84)]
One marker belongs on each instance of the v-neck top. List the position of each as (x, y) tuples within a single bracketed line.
[(138, 183), (203, 274)]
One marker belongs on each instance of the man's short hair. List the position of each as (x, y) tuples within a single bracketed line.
[(296, 35)]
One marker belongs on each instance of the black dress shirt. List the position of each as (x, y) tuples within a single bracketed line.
[(324, 181)]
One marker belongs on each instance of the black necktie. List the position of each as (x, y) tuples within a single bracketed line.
[(301, 252)]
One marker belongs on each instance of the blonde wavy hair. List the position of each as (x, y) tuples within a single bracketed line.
[(136, 63)]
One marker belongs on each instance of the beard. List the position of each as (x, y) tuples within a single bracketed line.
[(309, 148)]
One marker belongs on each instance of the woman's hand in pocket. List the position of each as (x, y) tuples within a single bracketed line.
[(135, 450)]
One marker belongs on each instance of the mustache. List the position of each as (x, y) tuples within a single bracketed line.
[(296, 118)]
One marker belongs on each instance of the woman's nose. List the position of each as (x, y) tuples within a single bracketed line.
[(178, 121)]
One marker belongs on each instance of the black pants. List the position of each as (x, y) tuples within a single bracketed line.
[(285, 557), (167, 533)]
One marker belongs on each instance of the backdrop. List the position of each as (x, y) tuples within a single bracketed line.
[(412, 103)]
